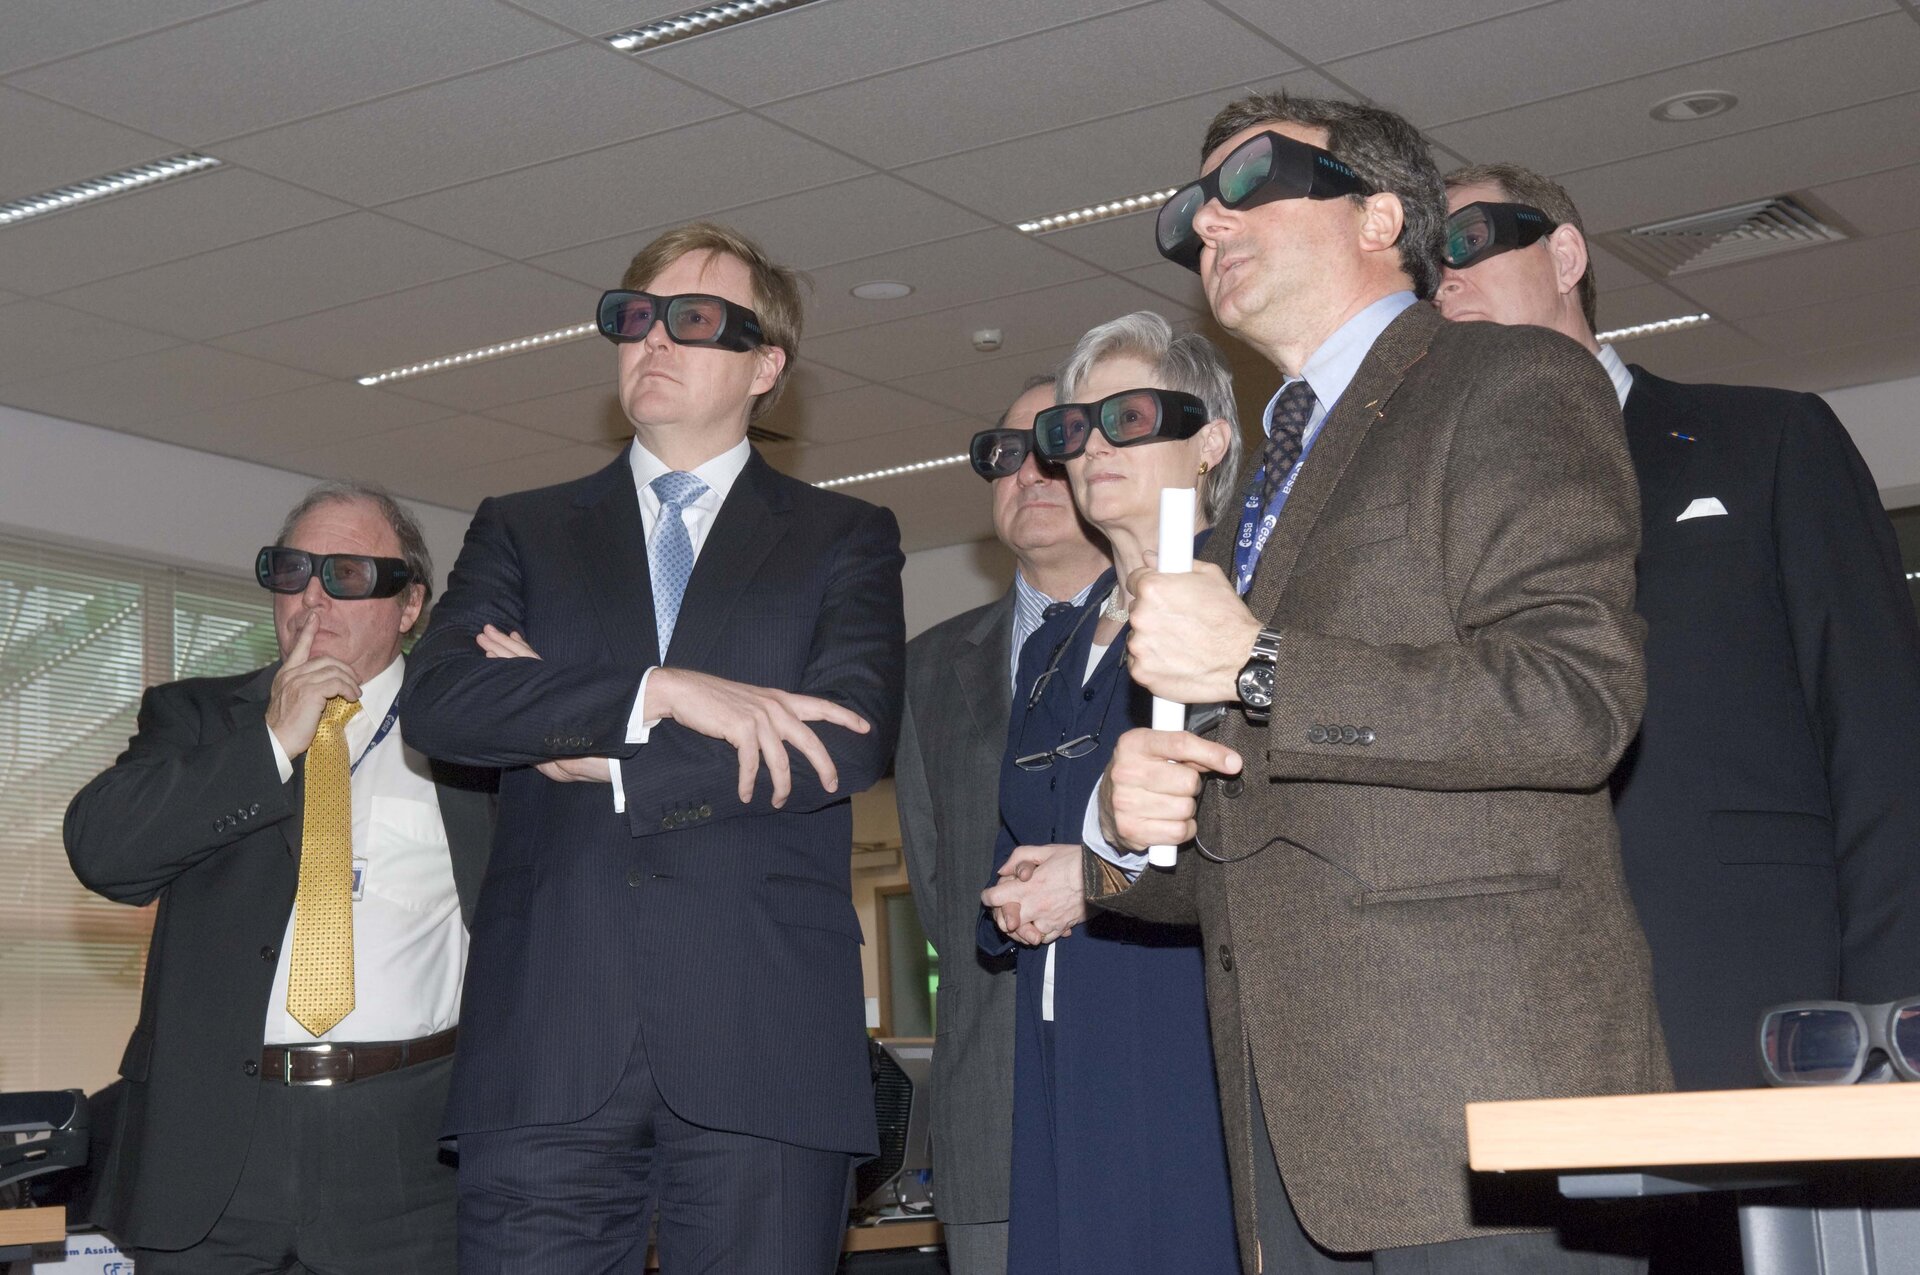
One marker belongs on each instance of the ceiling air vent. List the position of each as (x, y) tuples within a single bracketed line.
[(1724, 236)]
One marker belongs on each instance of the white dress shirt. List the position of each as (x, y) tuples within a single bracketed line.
[(719, 474), (1617, 373), (1329, 370), (409, 941)]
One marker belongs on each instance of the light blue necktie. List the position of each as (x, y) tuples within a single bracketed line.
[(670, 556)]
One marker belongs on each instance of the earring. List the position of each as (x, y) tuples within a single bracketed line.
[(1203, 469)]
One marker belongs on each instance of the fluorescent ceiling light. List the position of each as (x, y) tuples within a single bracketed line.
[(684, 26), (1652, 329), (1096, 212), (481, 355), (893, 471), (135, 178)]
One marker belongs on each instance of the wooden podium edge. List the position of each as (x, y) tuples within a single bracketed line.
[(33, 1226), (1736, 1126)]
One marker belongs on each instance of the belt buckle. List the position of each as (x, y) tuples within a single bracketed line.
[(326, 1047)]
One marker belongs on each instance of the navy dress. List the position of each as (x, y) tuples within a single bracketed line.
[(1119, 1163)]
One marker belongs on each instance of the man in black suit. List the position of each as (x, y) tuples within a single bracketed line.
[(666, 1008), (953, 733), (1767, 820), (253, 1135)]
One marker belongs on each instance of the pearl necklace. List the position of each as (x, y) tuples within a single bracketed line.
[(1110, 608)]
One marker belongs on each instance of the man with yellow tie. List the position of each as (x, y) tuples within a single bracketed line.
[(315, 877)]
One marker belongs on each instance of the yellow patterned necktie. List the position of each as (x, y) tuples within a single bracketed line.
[(320, 978)]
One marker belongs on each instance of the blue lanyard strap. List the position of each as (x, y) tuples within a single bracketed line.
[(393, 715)]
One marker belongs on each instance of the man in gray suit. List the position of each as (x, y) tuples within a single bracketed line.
[(947, 775)]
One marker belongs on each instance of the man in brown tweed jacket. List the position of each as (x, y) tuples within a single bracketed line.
[(1406, 868)]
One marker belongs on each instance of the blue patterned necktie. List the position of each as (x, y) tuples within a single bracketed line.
[(670, 556), (1290, 417)]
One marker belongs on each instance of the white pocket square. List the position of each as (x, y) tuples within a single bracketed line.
[(1704, 507)]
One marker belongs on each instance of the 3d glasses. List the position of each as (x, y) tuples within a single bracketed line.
[(999, 453), (1126, 419), (1833, 1042), (347, 576), (1258, 171), (692, 318), (1484, 229)]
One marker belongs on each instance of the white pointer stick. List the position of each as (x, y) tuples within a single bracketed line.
[(1176, 555)]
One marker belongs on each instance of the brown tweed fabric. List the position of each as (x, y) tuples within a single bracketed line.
[(1437, 916)]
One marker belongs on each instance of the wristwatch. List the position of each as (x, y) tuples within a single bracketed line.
[(1255, 683)]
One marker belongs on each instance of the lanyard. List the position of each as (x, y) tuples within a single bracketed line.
[(1256, 524), (393, 715)]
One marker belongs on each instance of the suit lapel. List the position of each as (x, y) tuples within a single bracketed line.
[(1659, 457), (980, 669), (1399, 347), (610, 540), (750, 524), (249, 705)]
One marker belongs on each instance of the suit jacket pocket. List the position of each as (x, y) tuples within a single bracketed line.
[(1462, 888), (813, 905), (1771, 836), (1366, 527), (138, 1056)]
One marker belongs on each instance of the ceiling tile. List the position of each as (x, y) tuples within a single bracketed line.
[(1029, 85), (1848, 321), (1820, 370), (1558, 48), (283, 59), (536, 374), (1120, 243), (38, 338), (1611, 271), (950, 273), (1646, 303), (292, 273), (277, 425), (1321, 30), (813, 377), (1582, 130), (1878, 203), (134, 393), (42, 30), (714, 166), (466, 488), (1829, 272), (590, 414), (1032, 321), (537, 109), (464, 313), (1679, 355), (400, 457), (44, 145), (814, 228), (176, 219), (853, 414), (603, 17), (1768, 161), (828, 44), (946, 438), (1176, 283), (983, 389), (1115, 156)]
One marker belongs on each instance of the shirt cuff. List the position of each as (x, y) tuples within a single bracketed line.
[(280, 758), (619, 789), (1131, 864), (639, 725)]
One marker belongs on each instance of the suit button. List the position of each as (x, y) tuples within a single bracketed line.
[(635, 876), (1316, 734), (254, 809), (706, 811), (251, 1066), (1349, 734), (666, 821), (1226, 958), (1086, 695), (1366, 736), (269, 953)]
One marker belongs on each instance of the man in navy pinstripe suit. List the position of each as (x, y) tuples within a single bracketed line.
[(664, 1008)]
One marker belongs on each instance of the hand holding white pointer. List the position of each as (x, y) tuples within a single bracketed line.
[(1151, 788)]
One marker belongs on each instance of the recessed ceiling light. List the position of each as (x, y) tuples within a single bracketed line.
[(882, 290), (1096, 212), (684, 26), (481, 355), (1684, 108), (893, 471), (135, 178), (1652, 329)]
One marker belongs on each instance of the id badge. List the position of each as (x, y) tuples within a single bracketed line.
[(359, 879)]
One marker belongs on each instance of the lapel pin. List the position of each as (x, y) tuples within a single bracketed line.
[(1685, 438)]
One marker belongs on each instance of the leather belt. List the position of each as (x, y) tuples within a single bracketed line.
[(330, 1063)]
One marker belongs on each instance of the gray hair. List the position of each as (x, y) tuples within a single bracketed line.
[(406, 528), (1187, 362), (1039, 380)]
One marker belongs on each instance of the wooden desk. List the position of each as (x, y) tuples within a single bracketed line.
[(23, 1228), (1745, 1140)]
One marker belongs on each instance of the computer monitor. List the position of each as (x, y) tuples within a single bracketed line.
[(900, 1178)]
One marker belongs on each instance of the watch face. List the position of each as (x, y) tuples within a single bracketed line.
[(1256, 685)]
